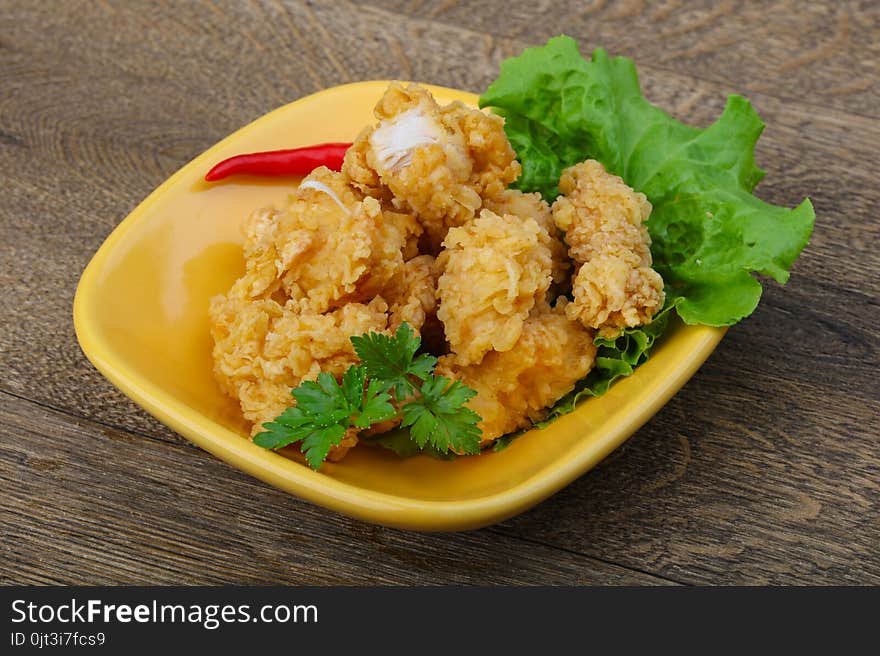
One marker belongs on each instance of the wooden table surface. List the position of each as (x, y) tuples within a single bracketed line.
[(765, 468)]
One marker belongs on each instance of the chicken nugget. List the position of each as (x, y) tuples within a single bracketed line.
[(435, 161), (493, 272), (263, 349), (603, 221), (533, 206), (515, 387)]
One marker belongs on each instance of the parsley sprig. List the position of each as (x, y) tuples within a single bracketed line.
[(392, 381), (324, 411), (393, 360)]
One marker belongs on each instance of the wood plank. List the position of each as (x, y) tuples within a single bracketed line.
[(85, 504), (818, 53)]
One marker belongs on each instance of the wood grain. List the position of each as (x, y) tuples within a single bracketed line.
[(103, 499), (764, 468), (819, 53)]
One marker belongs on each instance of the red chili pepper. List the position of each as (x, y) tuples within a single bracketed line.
[(296, 161)]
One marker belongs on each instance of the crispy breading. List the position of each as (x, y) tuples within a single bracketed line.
[(263, 349), (412, 293), (315, 271), (493, 272), (532, 206), (438, 162), (327, 245), (603, 221), (516, 386)]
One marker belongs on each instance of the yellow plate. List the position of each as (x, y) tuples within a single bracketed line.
[(141, 318)]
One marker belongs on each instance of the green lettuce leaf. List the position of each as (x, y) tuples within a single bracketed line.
[(710, 233), (615, 358)]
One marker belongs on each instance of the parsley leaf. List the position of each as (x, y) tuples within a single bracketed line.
[(324, 411), (433, 407), (440, 419), (317, 444), (393, 360), (283, 430)]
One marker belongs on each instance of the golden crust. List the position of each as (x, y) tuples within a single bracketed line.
[(332, 248), (316, 269), (515, 387), (435, 161), (603, 221), (263, 349), (412, 293), (493, 272), (532, 206)]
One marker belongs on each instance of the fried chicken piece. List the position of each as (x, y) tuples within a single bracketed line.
[(412, 293), (516, 386), (412, 297), (603, 220), (532, 206), (327, 246), (318, 270), (263, 349), (435, 161), (493, 272)]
